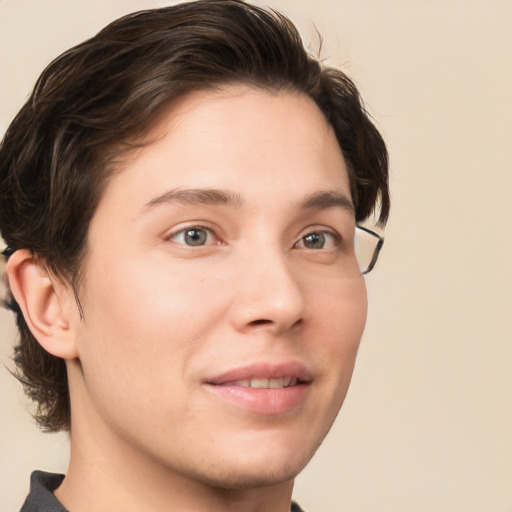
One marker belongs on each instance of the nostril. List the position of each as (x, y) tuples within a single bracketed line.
[(261, 322)]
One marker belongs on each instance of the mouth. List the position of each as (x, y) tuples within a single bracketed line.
[(263, 388), (264, 383)]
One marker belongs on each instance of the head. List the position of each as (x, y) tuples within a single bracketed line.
[(122, 126)]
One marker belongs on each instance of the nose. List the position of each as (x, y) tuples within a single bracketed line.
[(269, 296)]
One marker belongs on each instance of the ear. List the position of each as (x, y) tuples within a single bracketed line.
[(48, 306)]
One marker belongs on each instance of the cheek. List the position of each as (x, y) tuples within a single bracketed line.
[(152, 298), (142, 329), (341, 307), (341, 316)]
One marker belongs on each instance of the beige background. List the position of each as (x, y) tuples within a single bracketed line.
[(427, 425)]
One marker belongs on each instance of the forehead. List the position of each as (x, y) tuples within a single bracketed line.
[(246, 140)]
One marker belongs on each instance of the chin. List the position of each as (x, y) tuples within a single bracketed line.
[(239, 478), (264, 467)]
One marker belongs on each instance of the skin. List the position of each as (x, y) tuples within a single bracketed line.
[(163, 318)]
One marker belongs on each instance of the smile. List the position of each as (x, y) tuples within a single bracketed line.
[(262, 388), (263, 383)]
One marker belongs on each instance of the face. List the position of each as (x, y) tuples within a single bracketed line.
[(222, 304)]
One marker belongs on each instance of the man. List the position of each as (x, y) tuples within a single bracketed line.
[(179, 198)]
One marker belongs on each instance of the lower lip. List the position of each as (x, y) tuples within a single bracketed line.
[(262, 400)]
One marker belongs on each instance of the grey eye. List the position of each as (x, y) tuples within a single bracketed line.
[(317, 240), (314, 241), (193, 237)]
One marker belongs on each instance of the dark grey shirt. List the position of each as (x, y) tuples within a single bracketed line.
[(42, 499)]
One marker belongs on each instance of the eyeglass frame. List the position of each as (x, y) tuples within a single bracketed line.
[(376, 251)]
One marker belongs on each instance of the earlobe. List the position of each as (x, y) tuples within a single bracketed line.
[(44, 303)]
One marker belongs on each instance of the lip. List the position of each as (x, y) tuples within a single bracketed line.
[(263, 371), (266, 401)]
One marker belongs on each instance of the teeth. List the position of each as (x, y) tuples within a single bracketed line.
[(262, 383), (275, 383)]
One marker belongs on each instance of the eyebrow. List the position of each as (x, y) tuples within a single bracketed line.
[(195, 196), (316, 201), (327, 199)]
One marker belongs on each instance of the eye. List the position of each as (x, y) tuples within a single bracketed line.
[(193, 236), (318, 240)]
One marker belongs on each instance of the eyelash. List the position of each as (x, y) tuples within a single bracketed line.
[(335, 238)]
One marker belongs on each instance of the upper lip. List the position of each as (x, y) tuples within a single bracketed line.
[(263, 370)]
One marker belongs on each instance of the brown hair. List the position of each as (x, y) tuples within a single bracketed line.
[(96, 97)]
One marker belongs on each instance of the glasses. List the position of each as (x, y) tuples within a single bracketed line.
[(367, 245)]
